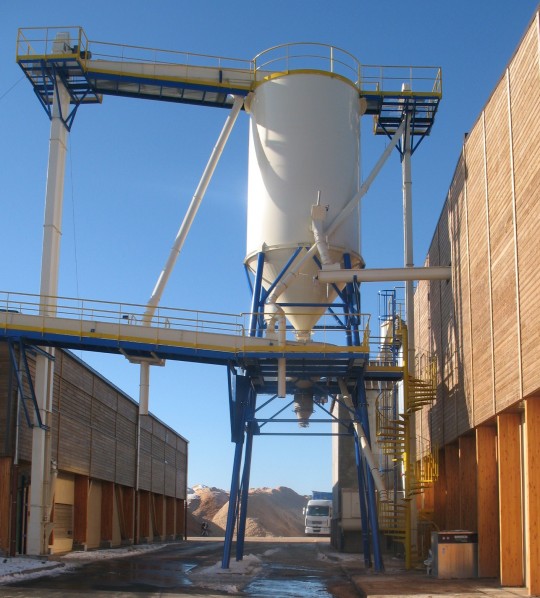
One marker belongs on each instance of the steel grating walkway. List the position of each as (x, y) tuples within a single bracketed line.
[(182, 335)]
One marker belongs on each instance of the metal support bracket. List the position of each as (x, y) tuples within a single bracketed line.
[(20, 376), (49, 78)]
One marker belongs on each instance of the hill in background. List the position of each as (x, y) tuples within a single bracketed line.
[(272, 512)]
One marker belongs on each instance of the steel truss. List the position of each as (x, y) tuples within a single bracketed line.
[(246, 383)]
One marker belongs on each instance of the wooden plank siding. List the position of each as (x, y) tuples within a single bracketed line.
[(484, 329), (488, 501), (459, 242), (532, 473), (503, 275), (484, 326), (524, 88), (468, 474), (480, 310), (8, 400), (94, 430), (510, 504), (5, 502)]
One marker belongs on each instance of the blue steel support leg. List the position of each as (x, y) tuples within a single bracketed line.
[(256, 298), (244, 495), (353, 308), (356, 291), (362, 414), (233, 501), (362, 499)]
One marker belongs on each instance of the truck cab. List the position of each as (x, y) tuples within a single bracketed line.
[(318, 517)]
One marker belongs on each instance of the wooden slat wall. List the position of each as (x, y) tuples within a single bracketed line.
[(440, 495), (5, 503), (6, 436), (510, 505), (457, 231), (94, 431), (525, 91), (479, 279), (488, 501), (493, 228), (503, 274), (451, 463), (145, 453), (181, 468), (487, 332), (467, 483), (532, 465), (158, 457)]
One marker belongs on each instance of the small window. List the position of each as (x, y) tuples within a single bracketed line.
[(318, 511)]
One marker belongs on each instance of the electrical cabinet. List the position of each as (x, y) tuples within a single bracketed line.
[(454, 554)]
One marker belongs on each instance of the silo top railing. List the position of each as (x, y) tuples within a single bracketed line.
[(310, 56), (368, 78)]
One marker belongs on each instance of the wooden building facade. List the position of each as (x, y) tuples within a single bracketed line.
[(484, 329), (118, 477)]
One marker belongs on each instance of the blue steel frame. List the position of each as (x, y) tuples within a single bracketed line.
[(242, 399), (350, 298), (49, 73), (20, 382), (244, 423)]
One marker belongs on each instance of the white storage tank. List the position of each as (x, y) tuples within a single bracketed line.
[(304, 141)]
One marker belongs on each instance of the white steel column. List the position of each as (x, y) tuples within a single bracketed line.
[(411, 523), (408, 235), (40, 488)]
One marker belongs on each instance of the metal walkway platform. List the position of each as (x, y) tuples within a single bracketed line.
[(183, 335), (91, 69)]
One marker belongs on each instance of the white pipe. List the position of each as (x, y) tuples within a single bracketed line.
[(386, 274), (282, 377), (194, 206), (406, 173), (144, 388), (276, 328), (318, 216), (344, 214), (50, 259), (408, 236), (320, 242), (364, 444)]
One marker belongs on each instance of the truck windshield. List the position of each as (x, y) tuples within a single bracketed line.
[(317, 511)]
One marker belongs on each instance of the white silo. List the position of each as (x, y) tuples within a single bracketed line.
[(303, 144)]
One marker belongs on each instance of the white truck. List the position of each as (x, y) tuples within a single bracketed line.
[(318, 517)]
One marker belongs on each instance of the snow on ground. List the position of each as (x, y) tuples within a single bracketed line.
[(22, 568), (112, 553), (213, 577), (226, 580), (247, 566)]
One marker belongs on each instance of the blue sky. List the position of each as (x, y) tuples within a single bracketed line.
[(133, 166)]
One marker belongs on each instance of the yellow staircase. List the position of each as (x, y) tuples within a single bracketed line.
[(394, 439)]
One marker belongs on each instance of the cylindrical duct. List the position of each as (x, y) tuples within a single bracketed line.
[(304, 139)]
